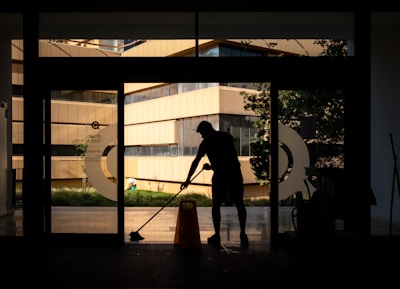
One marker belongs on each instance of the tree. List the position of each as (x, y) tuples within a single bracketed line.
[(261, 148), (81, 146), (333, 47), (326, 107)]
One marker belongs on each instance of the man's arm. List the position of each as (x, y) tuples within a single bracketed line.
[(192, 169)]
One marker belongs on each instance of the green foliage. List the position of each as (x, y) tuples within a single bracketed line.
[(260, 161), (81, 146), (326, 107), (256, 203), (260, 145), (333, 47), (159, 199), (137, 198), (78, 197)]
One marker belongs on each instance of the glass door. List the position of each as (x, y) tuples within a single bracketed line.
[(84, 162)]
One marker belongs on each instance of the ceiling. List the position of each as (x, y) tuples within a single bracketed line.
[(182, 25)]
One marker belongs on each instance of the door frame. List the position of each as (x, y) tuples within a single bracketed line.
[(285, 73)]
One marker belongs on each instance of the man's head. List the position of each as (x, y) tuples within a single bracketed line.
[(204, 128)]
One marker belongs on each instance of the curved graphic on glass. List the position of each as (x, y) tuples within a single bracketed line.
[(293, 159), (101, 176)]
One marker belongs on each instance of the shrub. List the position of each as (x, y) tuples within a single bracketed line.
[(137, 198)]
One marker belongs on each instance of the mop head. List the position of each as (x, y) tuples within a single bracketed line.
[(135, 236)]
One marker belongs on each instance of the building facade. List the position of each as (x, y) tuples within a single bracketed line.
[(160, 118)]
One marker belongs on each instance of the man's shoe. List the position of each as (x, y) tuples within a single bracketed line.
[(244, 241), (214, 240)]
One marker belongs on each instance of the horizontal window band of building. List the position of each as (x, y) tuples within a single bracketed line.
[(177, 88), (166, 89), (241, 127)]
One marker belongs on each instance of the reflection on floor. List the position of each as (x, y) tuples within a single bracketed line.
[(161, 228)]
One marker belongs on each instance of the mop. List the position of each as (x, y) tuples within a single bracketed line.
[(135, 236)]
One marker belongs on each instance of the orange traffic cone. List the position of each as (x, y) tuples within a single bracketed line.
[(187, 233)]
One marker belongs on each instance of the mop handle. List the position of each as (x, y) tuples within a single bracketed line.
[(170, 200)]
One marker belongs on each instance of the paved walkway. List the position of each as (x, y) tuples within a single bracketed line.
[(161, 228)]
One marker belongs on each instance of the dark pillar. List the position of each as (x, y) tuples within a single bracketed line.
[(32, 195), (357, 133)]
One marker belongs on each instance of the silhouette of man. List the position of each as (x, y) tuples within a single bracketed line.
[(227, 179)]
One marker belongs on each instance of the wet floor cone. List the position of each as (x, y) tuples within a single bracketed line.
[(187, 233)]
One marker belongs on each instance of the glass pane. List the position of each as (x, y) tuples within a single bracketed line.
[(192, 48), (84, 161)]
